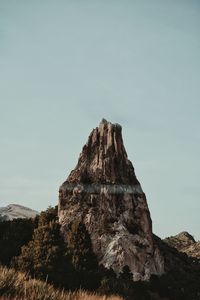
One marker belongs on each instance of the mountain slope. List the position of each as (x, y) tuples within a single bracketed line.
[(15, 211)]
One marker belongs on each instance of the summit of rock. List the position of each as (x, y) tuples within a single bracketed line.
[(104, 158), (104, 193)]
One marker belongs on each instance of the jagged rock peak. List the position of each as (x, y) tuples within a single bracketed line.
[(104, 121), (104, 158), (104, 193)]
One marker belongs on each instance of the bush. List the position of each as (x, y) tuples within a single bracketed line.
[(46, 255)]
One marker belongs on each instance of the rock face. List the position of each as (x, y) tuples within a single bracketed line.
[(104, 193), (184, 242)]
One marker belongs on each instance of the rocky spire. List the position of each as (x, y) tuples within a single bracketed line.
[(104, 158), (104, 193)]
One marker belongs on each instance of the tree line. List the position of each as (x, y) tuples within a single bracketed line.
[(36, 246)]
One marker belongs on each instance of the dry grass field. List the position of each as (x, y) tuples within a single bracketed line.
[(18, 286)]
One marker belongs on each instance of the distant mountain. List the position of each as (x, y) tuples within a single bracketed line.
[(185, 242), (15, 211)]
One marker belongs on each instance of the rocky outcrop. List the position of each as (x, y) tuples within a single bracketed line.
[(104, 193), (185, 242)]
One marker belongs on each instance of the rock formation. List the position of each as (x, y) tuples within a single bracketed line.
[(104, 193), (185, 242)]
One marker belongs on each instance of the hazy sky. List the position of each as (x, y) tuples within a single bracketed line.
[(66, 64)]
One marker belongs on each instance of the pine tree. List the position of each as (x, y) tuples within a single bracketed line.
[(125, 280), (46, 255), (109, 281), (80, 248), (83, 258), (126, 274), (45, 217)]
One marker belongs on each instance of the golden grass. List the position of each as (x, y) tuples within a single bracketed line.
[(19, 286)]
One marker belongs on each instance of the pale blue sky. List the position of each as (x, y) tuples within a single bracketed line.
[(66, 64)]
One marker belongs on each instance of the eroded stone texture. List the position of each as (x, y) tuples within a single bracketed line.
[(104, 193), (185, 242)]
